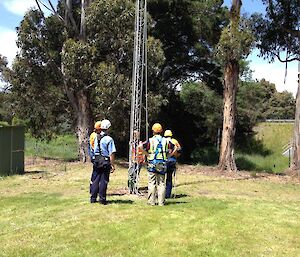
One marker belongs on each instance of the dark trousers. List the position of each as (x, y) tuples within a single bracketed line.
[(171, 169), (98, 185)]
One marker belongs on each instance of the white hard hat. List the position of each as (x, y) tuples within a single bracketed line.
[(105, 124)]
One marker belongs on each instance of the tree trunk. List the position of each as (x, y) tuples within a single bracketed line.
[(83, 123), (79, 99), (296, 142), (227, 160)]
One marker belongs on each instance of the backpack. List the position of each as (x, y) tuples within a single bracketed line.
[(101, 161)]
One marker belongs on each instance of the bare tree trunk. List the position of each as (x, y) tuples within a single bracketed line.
[(84, 123), (296, 142), (227, 160), (84, 5)]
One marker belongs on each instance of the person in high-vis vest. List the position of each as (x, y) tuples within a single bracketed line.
[(138, 159), (103, 161), (93, 136), (171, 162), (157, 149)]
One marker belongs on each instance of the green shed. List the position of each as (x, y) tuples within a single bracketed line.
[(12, 150)]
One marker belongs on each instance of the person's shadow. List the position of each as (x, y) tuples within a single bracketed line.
[(118, 201)]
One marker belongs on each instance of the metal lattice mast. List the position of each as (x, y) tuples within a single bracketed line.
[(139, 82)]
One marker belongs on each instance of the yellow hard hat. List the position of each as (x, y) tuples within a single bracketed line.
[(157, 128), (97, 125), (168, 133)]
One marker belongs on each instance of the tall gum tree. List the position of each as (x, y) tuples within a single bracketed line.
[(75, 65), (235, 44)]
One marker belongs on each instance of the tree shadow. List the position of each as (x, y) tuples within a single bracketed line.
[(248, 144), (243, 163)]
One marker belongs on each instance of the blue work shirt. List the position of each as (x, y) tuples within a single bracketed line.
[(107, 145)]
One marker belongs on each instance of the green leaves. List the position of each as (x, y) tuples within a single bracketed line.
[(235, 42), (278, 31)]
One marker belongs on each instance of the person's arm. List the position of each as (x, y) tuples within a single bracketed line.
[(173, 149), (112, 162), (142, 147), (112, 150)]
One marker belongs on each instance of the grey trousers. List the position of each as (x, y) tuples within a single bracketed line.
[(156, 188)]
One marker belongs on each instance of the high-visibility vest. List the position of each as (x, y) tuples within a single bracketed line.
[(138, 156), (158, 148)]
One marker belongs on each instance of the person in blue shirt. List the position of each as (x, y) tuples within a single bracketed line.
[(103, 160)]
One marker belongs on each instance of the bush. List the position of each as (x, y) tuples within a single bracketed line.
[(4, 124), (207, 155)]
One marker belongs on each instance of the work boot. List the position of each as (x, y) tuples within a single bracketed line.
[(93, 200)]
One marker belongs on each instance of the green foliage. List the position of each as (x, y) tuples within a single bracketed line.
[(111, 34), (189, 31), (18, 122), (36, 84), (207, 155), (281, 106), (77, 58), (4, 124), (206, 107), (235, 42), (278, 31)]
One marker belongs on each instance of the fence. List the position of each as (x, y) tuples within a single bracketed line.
[(11, 150)]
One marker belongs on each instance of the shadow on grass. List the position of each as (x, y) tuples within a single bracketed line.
[(31, 172), (212, 180), (120, 201), (175, 202), (243, 163), (180, 196), (248, 144), (116, 194)]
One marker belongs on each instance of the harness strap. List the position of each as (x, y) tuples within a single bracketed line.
[(99, 144), (156, 150)]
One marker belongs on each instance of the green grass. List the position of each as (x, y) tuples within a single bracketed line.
[(46, 213), (63, 147), (265, 152)]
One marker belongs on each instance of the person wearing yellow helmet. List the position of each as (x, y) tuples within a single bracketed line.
[(171, 162), (93, 136), (157, 149)]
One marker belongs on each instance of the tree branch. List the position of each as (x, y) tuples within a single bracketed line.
[(69, 14)]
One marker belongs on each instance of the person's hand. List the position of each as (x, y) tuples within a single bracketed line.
[(112, 168)]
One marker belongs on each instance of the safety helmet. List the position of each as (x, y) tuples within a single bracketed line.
[(105, 124), (97, 125), (157, 128), (168, 133)]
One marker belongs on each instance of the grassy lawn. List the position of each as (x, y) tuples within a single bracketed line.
[(63, 147), (265, 154), (46, 213)]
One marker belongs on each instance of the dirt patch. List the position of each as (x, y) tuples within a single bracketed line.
[(215, 172)]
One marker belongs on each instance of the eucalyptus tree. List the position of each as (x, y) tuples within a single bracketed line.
[(76, 64), (235, 44)]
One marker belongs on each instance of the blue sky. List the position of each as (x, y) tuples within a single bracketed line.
[(12, 11)]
